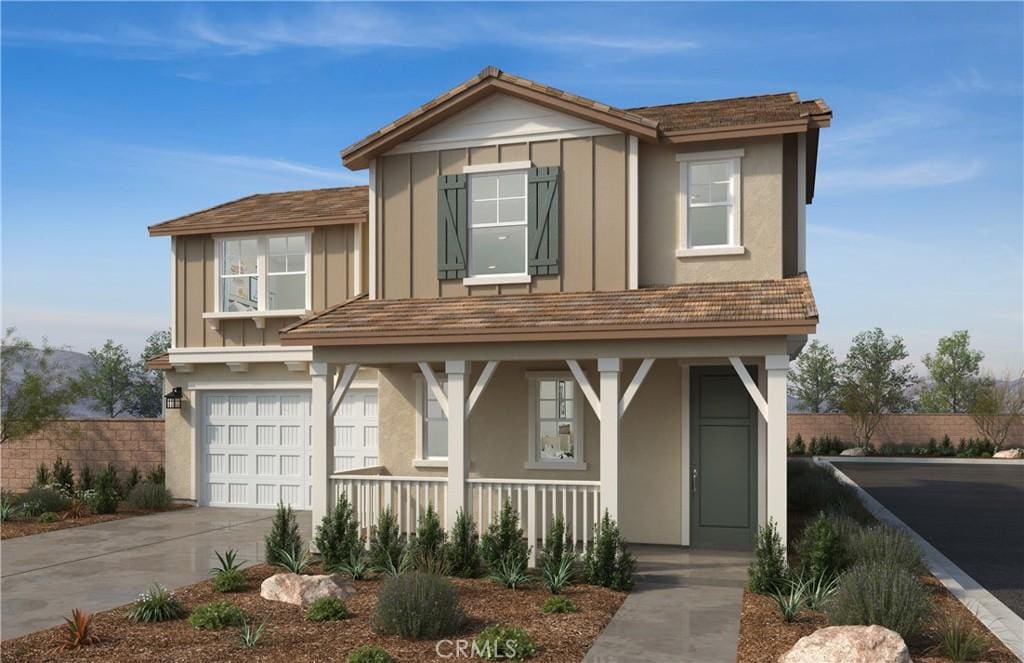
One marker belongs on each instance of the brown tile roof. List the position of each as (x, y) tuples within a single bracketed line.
[(160, 362), (273, 211), (735, 112), (692, 310)]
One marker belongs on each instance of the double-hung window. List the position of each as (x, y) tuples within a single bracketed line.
[(710, 203), (261, 274), (431, 425), (497, 224), (556, 424)]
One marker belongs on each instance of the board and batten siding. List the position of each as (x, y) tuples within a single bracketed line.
[(593, 203), (332, 253)]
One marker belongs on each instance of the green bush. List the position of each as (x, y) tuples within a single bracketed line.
[(63, 476), (369, 655), (820, 549), (511, 573), (157, 475), (337, 537), (767, 573), (826, 446), (558, 544), (228, 581), (134, 478), (464, 551), (884, 543), (790, 599), (559, 604), (216, 615), (327, 609), (357, 567), (812, 489), (959, 640), (558, 575), (105, 498), (85, 478), (504, 539), (418, 605), (973, 448), (296, 561), (797, 446), (430, 536), (386, 545), (608, 562), (156, 604), (879, 593), (504, 643), (150, 497), (7, 506), (48, 517), (40, 499), (283, 536), (42, 475)]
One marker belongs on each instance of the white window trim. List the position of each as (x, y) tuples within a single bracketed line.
[(735, 245), (497, 167), (421, 459), (262, 313), (497, 279), (532, 463)]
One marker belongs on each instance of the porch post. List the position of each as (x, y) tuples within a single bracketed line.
[(322, 456), (776, 366), (609, 369), (456, 371)]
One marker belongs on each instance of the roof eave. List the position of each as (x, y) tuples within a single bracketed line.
[(159, 230)]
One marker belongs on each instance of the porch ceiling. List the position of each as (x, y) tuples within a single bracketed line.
[(707, 310)]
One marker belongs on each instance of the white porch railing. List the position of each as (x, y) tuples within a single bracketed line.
[(537, 503)]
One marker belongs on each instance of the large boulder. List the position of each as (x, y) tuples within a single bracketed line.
[(303, 590), (1009, 453), (849, 644), (853, 451)]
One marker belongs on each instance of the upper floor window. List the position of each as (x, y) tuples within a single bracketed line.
[(710, 209), (497, 224), (269, 273)]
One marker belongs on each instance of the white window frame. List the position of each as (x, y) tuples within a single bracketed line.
[(421, 458), (735, 244), (488, 169), (533, 462), (262, 275)]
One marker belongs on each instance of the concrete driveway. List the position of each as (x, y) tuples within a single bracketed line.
[(98, 567)]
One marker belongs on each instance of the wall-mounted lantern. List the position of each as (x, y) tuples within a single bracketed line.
[(172, 399)]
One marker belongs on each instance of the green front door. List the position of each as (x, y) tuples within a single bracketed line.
[(723, 457)]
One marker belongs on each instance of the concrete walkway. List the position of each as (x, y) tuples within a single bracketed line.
[(98, 567), (685, 608)]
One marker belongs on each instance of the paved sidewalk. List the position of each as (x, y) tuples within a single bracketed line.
[(98, 567), (685, 608)]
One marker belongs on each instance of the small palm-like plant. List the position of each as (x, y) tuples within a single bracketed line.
[(76, 509), (511, 572), (251, 635), (295, 561), (559, 574), (228, 577), (790, 600), (78, 631), (228, 562), (818, 590), (357, 567), (156, 604)]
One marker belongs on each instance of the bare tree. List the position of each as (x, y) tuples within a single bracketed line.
[(999, 407)]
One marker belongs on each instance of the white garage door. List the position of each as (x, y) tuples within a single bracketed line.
[(256, 445)]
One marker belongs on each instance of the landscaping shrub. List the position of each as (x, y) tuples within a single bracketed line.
[(973, 448), (511, 572), (826, 446), (428, 552), (134, 477), (327, 609), (40, 499), (812, 488), (284, 535), (790, 598), (337, 537), (797, 446), (820, 549), (251, 635), (157, 475), (76, 508), (48, 517), (504, 539), (296, 561), (42, 475), (464, 551), (216, 615), (959, 640), (150, 497), (817, 590), (85, 478), (418, 605), (7, 506), (156, 604), (78, 631), (105, 498), (386, 545), (369, 655), (63, 476), (504, 643), (559, 604), (557, 575), (559, 543), (357, 567), (767, 573), (228, 576), (884, 543), (609, 563), (881, 593)]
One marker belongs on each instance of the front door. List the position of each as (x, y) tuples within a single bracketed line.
[(723, 456)]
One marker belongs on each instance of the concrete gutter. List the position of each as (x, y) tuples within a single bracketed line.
[(919, 461), (993, 613)]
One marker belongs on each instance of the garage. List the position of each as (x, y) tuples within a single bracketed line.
[(255, 446)]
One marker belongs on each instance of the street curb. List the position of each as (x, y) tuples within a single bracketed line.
[(920, 461), (993, 613)]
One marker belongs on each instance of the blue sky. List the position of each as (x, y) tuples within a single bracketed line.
[(116, 116)]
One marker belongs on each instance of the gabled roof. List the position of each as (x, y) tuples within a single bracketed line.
[(772, 307), (701, 120), (160, 362), (274, 211)]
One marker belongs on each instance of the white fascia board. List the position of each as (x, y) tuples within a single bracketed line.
[(241, 354)]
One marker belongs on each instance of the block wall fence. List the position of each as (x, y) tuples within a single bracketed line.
[(898, 428)]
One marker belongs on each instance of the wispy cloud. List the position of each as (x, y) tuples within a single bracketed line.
[(253, 164), (915, 175)]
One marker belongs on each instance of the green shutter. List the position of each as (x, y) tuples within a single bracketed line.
[(543, 221), (452, 233)]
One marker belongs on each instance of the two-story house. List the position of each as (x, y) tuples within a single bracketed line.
[(538, 297)]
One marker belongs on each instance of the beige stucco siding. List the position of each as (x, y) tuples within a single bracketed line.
[(762, 216), (593, 202), (332, 267)]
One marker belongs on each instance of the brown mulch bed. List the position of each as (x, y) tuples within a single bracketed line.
[(12, 529), (565, 637)]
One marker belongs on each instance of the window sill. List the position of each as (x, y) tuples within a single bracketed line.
[(711, 251), (555, 465), (497, 280), (432, 462), (259, 317)]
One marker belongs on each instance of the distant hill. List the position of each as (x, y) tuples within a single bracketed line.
[(69, 363)]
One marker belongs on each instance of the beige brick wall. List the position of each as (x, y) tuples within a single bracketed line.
[(95, 442), (909, 428)]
